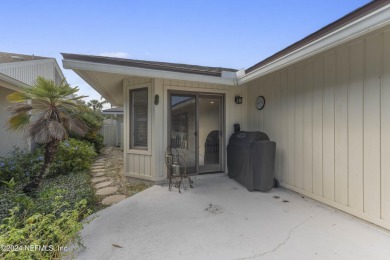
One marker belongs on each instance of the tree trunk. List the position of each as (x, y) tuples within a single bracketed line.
[(50, 152)]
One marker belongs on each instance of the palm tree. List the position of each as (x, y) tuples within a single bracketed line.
[(47, 112), (96, 104)]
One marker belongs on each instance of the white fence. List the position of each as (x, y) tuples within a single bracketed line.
[(113, 134)]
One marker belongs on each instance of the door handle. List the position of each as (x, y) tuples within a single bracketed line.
[(195, 133)]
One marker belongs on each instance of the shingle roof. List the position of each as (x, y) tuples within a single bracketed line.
[(156, 65), (6, 57)]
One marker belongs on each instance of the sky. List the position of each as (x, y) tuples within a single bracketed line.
[(232, 34)]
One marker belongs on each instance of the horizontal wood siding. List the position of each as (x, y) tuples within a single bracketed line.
[(330, 118)]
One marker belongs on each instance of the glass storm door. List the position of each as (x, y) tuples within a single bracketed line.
[(195, 130), (183, 129)]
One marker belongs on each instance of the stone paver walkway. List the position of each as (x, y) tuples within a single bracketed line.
[(104, 186), (98, 179)]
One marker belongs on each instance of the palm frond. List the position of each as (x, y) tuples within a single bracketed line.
[(19, 108), (17, 97), (39, 131), (76, 126), (57, 130), (56, 108), (18, 122)]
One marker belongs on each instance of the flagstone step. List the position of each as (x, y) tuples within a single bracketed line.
[(98, 174), (98, 179), (98, 167), (113, 199), (106, 191), (98, 170), (103, 184)]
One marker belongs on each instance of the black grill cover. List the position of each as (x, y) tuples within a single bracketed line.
[(251, 160)]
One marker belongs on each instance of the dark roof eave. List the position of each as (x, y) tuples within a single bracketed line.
[(8, 57), (153, 65)]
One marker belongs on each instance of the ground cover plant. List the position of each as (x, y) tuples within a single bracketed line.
[(52, 216)]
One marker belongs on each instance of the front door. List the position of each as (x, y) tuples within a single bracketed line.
[(196, 130)]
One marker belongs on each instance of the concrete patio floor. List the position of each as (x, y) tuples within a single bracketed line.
[(220, 219)]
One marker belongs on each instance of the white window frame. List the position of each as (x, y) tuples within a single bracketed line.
[(140, 150)]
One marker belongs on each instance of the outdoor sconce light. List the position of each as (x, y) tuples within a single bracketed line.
[(238, 99), (156, 99)]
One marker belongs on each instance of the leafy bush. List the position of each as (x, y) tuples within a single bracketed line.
[(96, 140), (11, 196), (42, 236), (20, 165), (72, 187), (94, 121), (51, 218), (72, 156)]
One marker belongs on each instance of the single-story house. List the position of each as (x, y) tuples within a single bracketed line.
[(20, 70), (326, 106)]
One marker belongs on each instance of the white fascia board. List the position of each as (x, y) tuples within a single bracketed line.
[(58, 68), (11, 83), (140, 72), (372, 21)]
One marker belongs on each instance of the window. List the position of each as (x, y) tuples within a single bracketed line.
[(139, 118)]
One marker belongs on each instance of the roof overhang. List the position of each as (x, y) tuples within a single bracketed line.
[(141, 72), (11, 83), (369, 22), (107, 79), (113, 111)]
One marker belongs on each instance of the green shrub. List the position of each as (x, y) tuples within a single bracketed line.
[(94, 121), (11, 196), (72, 187), (10, 199), (96, 140), (42, 236), (20, 165), (72, 156)]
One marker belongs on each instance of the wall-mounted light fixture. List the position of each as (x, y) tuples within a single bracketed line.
[(238, 99), (156, 99)]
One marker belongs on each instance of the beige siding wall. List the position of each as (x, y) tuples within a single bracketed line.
[(8, 139), (27, 72), (136, 165), (152, 167), (330, 118), (233, 113)]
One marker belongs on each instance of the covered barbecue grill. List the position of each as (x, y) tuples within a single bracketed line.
[(251, 160)]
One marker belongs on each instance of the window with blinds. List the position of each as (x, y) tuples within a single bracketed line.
[(139, 118)]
